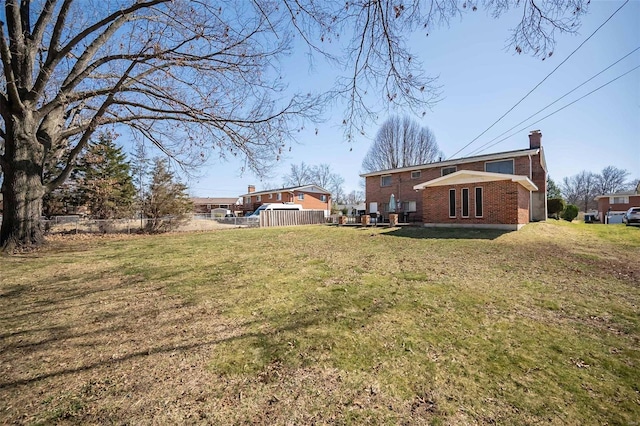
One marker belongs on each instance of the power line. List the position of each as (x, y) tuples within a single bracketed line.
[(560, 109), (480, 148), (538, 85)]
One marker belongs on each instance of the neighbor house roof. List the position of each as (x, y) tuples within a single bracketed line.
[(214, 200), (618, 194), (302, 188), (471, 176), (487, 157)]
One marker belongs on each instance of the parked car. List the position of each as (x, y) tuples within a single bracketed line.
[(632, 216)]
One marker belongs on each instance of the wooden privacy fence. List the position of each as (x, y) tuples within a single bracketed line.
[(291, 217)]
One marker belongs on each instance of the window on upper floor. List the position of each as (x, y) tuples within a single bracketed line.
[(270, 196), (448, 170), (279, 196), (416, 174), (385, 180), (502, 166), (323, 198), (301, 196), (619, 200), (258, 198)]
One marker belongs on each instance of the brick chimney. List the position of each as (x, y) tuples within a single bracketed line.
[(251, 188), (535, 139)]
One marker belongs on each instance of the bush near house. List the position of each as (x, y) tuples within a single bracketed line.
[(570, 212), (555, 206)]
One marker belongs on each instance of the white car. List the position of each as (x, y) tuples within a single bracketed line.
[(632, 216)]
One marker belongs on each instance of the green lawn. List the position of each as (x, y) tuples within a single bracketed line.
[(326, 325)]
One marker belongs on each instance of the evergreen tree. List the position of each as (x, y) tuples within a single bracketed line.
[(553, 190), (167, 198), (104, 180)]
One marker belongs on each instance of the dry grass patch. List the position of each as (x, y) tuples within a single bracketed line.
[(326, 325)]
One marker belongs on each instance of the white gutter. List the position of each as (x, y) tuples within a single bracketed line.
[(530, 192)]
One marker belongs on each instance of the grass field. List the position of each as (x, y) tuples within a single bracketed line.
[(326, 325)]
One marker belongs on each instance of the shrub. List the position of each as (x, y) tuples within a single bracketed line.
[(570, 212), (555, 206)]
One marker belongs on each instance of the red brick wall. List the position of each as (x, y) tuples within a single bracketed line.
[(504, 202), (402, 184)]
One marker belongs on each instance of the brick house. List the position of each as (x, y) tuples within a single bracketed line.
[(400, 182), (469, 198), (204, 205), (310, 197), (619, 202)]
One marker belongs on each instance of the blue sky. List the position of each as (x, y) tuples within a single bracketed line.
[(480, 82)]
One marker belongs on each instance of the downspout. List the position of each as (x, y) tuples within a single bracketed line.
[(530, 191)]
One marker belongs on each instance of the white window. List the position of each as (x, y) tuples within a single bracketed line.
[(301, 196), (448, 170), (465, 202), (502, 166), (323, 198), (618, 200), (279, 196), (385, 180), (416, 174), (270, 196), (258, 198), (247, 200), (409, 206)]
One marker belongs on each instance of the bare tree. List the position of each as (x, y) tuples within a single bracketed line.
[(321, 175), (581, 189), (611, 180), (300, 174), (195, 76), (401, 142), (354, 197)]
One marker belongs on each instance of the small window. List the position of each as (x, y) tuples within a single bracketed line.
[(258, 198), (208, 206), (465, 202), (478, 201), (409, 206), (503, 166), (323, 198), (619, 200), (385, 180), (448, 170), (416, 174), (270, 196), (301, 197), (452, 203), (279, 196)]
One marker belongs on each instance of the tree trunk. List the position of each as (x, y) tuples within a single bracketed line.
[(22, 188)]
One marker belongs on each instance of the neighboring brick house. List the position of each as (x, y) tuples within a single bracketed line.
[(310, 197), (617, 203), (474, 199), (207, 204), (529, 163)]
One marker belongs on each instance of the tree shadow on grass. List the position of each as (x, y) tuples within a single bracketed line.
[(447, 233)]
